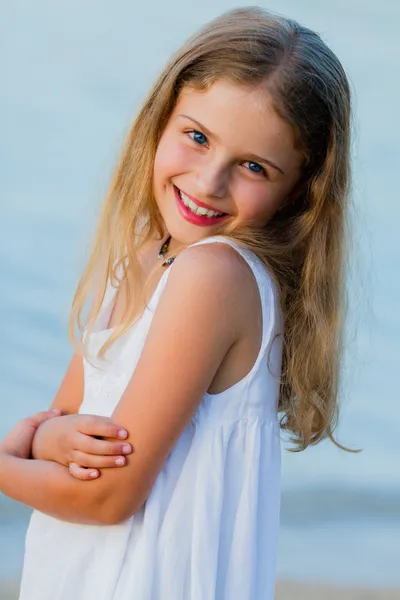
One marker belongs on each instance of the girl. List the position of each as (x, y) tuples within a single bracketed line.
[(218, 274)]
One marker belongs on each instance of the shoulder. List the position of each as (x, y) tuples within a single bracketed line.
[(215, 265), (215, 280)]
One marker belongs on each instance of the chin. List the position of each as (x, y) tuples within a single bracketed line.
[(184, 235)]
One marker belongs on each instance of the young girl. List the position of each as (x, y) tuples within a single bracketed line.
[(217, 276)]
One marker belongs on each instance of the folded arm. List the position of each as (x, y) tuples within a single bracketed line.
[(195, 324), (49, 488)]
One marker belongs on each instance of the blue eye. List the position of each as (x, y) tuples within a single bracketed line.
[(199, 137), (255, 167)]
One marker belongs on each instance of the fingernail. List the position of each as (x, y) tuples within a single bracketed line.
[(120, 461), (122, 433), (55, 410), (126, 449), (93, 474)]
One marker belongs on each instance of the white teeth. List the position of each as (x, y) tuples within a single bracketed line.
[(198, 210), (192, 205)]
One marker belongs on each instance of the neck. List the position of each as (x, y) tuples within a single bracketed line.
[(175, 246)]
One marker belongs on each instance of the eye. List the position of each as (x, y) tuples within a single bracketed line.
[(198, 137), (255, 168)]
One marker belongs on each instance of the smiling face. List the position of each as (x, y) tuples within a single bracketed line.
[(224, 150)]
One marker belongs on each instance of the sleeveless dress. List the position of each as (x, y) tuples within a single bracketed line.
[(209, 528)]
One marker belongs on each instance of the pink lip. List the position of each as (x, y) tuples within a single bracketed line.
[(192, 217)]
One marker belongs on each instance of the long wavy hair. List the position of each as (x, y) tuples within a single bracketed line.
[(304, 245)]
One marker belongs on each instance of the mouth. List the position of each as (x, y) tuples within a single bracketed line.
[(197, 212)]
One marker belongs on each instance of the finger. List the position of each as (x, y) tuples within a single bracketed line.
[(91, 445), (40, 417), (97, 462), (81, 473), (101, 426)]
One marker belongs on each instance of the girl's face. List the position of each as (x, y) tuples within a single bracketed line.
[(224, 150)]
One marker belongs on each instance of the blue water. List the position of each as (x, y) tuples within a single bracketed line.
[(73, 76)]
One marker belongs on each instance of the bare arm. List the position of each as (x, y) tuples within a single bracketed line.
[(44, 485), (71, 439), (69, 396), (48, 487), (193, 327), (70, 393), (68, 400)]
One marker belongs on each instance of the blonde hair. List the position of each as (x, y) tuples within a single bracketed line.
[(303, 245)]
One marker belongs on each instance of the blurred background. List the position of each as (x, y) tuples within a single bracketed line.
[(73, 76)]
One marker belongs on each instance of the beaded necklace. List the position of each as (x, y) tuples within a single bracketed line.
[(163, 250)]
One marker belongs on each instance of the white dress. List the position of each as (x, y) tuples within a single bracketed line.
[(209, 528)]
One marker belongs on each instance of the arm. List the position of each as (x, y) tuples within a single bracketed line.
[(193, 327), (68, 400), (48, 487), (41, 484), (69, 396), (70, 439), (70, 393), (81, 441)]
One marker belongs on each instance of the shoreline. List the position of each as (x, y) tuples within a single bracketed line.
[(285, 590), (288, 590)]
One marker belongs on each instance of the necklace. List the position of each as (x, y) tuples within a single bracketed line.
[(163, 251)]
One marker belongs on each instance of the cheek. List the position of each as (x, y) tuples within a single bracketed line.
[(170, 159), (258, 205), (252, 202)]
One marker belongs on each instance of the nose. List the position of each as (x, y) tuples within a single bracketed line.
[(213, 179)]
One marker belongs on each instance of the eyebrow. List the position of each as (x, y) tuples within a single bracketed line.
[(248, 154)]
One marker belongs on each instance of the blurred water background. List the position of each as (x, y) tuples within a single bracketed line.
[(73, 75)]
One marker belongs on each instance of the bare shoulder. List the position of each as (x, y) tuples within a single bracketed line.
[(220, 274)]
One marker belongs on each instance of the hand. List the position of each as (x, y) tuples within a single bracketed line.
[(72, 440), (18, 442)]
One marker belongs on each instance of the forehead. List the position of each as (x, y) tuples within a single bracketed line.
[(241, 118)]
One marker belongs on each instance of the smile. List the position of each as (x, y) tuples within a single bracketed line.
[(196, 209), (196, 213)]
